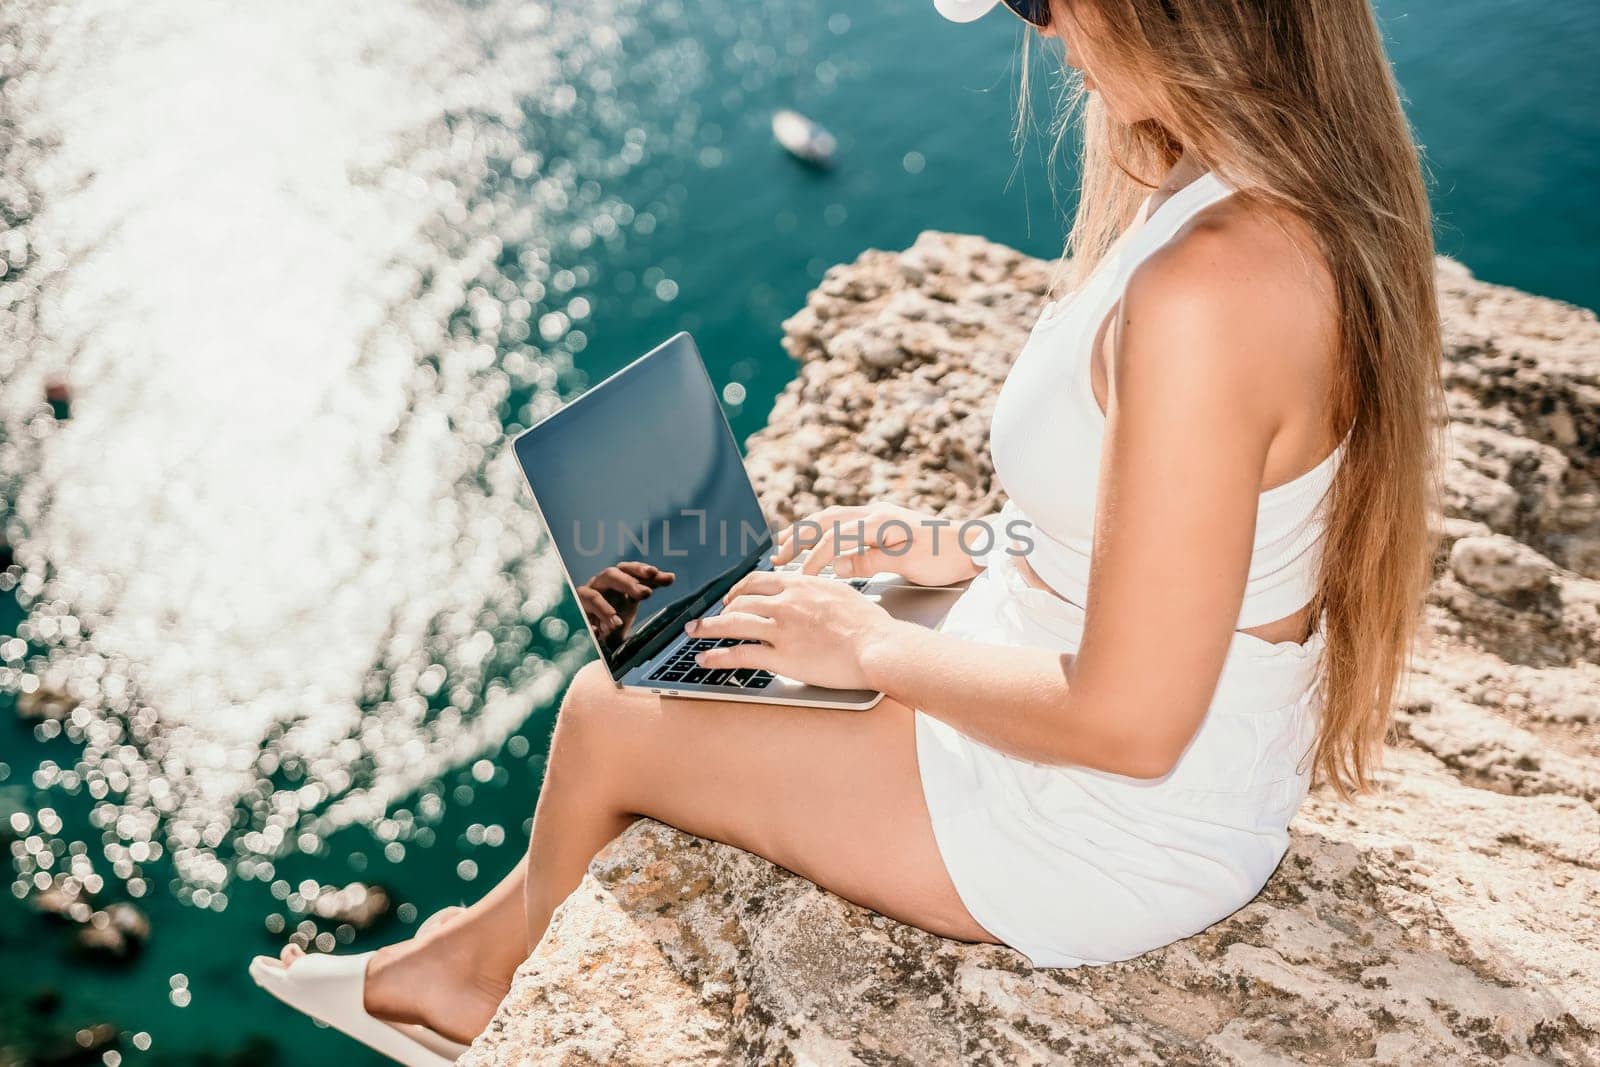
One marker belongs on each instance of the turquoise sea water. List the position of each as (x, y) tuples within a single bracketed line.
[(613, 169)]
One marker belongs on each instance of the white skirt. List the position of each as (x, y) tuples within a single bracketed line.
[(1071, 866)]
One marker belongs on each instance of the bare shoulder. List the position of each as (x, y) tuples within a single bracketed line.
[(1240, 301)]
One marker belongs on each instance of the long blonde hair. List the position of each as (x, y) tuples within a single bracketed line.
[(1292, 103)]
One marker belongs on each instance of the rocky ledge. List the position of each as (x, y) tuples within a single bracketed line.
[(1453, 916)]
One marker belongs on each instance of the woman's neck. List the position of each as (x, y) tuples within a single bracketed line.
[(1187, 169)]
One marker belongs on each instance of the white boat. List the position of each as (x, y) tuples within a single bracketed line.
[(803, 138)]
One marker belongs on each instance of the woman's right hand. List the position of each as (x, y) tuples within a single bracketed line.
[(866, 539)]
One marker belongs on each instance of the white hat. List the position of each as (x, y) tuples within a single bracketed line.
[(964, 10)]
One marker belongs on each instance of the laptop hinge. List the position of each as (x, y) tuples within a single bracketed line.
[(660, 633)]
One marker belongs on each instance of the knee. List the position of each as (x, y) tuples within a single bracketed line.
[(590, 706)]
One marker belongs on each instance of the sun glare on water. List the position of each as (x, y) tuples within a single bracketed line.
[(283, 279)]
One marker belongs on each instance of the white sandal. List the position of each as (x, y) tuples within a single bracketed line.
[(329, 989)]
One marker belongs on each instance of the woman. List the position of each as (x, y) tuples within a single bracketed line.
[(1235, 407)]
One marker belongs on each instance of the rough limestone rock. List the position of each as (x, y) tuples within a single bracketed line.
[(1452, 917)]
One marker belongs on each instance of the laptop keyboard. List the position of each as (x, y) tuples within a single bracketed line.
[(683, 669)]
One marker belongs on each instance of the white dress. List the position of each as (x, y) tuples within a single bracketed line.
[(1072, 866)]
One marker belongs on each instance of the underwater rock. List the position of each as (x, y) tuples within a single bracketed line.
[(357, 904), (118, 932), (115, 932), (63, 899), (79, 1048), (44, 703)]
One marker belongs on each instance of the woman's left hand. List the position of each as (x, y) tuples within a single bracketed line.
[(812, 629)]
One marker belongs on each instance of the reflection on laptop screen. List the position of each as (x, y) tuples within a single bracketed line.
[(646, 498)]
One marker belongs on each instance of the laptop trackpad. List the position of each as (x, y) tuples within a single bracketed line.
[(914, 603)]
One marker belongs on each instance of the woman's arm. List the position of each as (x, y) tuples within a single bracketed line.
[(1197, 384)]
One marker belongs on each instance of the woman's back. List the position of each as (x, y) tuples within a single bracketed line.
[(1048, 435)]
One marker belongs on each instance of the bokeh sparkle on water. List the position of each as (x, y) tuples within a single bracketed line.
[(277, 565)]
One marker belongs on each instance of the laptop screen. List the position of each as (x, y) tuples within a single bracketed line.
[(645, 495)]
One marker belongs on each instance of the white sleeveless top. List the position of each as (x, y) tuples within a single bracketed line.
[(1048, 431)]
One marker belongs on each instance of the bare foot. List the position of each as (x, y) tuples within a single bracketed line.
[(430, 980), (436, 921), (437, 981), (439, 918)]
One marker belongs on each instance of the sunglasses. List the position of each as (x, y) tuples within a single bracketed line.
[(1033, 12)]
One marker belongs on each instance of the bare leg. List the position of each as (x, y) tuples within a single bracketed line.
[(834, 796), (465, 967)]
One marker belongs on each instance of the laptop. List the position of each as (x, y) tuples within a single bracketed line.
[(648, 505)]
